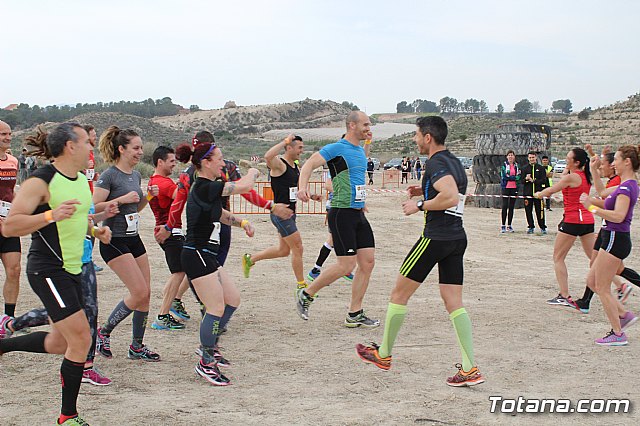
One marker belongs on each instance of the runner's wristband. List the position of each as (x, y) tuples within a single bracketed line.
[(367, 142), (244, 223), (167, 228), (593, 209), (93, 231), (48, 216)]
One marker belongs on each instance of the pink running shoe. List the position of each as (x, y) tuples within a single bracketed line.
[(94, 377), (624, 292), (612, 339), (4, 330), (628, 320)]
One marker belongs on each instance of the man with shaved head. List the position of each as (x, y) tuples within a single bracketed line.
[(353, 239), (9, 247)]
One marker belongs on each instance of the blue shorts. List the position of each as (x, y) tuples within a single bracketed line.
[(285, 227)]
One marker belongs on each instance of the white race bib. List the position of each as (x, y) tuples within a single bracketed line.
[(361, 193), (214, 238), (293, 194), (132, 223), (459, 209), (5, 206), (90, 174), (177, 231)]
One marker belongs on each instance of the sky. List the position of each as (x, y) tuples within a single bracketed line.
[(372, 53)]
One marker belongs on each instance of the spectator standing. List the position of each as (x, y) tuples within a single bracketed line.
[(535, 179)]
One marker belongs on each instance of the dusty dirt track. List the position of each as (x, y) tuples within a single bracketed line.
[(288, 371)]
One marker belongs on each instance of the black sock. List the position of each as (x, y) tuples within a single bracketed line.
[(71, 377), (120, 312), (33, 342), (631, 276), (139, 325), (10, 309), (355, 314), (588, 294), (323, 255)]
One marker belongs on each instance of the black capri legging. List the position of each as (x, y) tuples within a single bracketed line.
[(508, 204)]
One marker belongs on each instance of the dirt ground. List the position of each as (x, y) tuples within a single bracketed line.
[(289, 371)]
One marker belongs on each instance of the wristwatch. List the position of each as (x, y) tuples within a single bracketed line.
[(419, 204)]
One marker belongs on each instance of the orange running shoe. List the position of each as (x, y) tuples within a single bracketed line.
[(465, 378), (369, 353)]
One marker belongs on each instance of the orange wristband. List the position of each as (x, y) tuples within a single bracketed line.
[(48, 216)]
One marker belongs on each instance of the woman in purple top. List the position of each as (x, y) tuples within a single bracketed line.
[(617, 211)]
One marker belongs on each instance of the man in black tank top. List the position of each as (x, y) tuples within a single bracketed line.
[(284, 182)]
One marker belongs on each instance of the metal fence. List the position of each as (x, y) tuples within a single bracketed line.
[(240, 205)]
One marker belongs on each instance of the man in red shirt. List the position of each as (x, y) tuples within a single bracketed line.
[(91, 174), (164, 161), (10, 251)]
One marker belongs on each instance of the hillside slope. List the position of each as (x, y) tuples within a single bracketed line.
[(257, 119)]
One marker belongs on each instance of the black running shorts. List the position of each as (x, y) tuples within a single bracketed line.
[(576, 229), (10, 245), (615, 242), (427, 253), (120, 246), (60, 292), (172, 248), (198, 263), (350, 230)]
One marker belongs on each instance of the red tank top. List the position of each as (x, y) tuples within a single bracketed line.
[(574, 211)]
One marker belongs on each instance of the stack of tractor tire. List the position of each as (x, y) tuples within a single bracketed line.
[(492, 153)]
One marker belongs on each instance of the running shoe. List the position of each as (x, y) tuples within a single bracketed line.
[(612, 339), (103, 344), (624, 292), (628, 320), (166, 322), (558, 300), (530, 230), (212, 374), (177, 309), (369, 353), (143, 353), (349, 277), (95, 377), (75, 421), (246, 264), (4, 329), (465, 378), (503, 229), (222, 361), (313, 274), (302, 304), (543, 231), (510, 228), (583, 306), (570, 303), (361, 320), (97, 268)]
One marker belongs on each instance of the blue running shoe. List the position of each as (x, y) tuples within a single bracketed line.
[(313, 274), (349, 277)]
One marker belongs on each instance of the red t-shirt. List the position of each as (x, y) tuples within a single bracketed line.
[(8, 176), (614, 181), (574, 211), (90, 173), (161, 204)]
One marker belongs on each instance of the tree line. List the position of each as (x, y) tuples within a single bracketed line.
[(25, 116), (471, 105)]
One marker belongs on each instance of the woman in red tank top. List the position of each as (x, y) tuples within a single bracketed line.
[(577, 221)]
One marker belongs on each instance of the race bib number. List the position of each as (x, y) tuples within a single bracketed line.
[(5, 206), (177, 232), (214, 238), (90, 174), (293, 194), (459, 209), (133, 220), (361, 193)]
